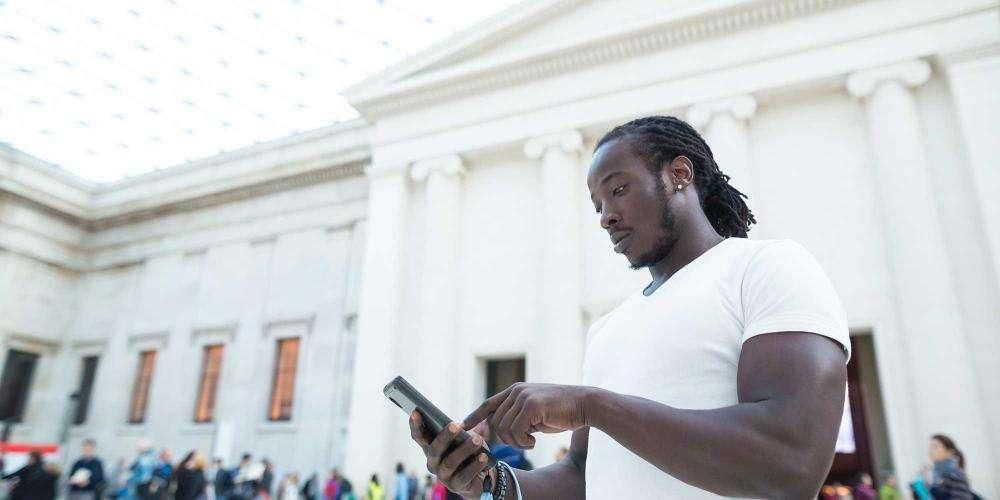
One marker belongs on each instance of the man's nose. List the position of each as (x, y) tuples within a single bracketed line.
[(609, 219)]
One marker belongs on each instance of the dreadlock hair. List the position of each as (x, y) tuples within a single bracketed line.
[(660, 139)]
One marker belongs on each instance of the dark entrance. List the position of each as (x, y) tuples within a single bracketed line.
[(15, 383)]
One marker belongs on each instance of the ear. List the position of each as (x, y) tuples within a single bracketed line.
[(679, 172)]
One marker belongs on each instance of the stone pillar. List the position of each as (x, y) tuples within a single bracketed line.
[(556, 354), (930, 329), (439, 282), (724, 125), (373, 423), (973, 77)]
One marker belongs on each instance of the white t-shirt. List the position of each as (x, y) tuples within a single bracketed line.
[(681, 345)]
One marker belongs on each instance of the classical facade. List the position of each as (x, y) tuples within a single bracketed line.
[(447, 235)]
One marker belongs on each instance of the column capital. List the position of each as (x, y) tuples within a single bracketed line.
[(569, 141), (741, 107), (448, 165), (912, 73)]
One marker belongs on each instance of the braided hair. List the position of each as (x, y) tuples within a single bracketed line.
[(660, 139)]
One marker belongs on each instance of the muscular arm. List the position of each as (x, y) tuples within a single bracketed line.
[(776, 443), (561, 480)]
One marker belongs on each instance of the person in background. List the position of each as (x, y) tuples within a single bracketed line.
[(32, 480), (413, 485), (889, 489), (189, 477), (86, 476), (947, 479), (117, 481), (346, 490), (222, 481), (865, 489), (561, 453), (310, 487), (428, 488), (375, 489), (140, 484), (289, 488), (402, 483), (439, 492), (266, 479), (162, 474), (246, 479), (332, 487)]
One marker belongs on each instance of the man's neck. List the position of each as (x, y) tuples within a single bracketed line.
[(691, 244)]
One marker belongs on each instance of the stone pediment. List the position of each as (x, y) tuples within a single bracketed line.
[(537, 39)]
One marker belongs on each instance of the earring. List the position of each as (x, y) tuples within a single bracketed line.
[(680, 186)]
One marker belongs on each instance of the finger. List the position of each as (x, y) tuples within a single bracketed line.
[(497, 416), (484, 410), (455, 458), (417, 431), (441, 443), (464, 478), (505, 419), (522, 426)]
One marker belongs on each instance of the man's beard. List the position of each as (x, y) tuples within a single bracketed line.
[(668, 236)]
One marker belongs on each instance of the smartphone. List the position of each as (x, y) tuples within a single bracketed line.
[(400, 392)]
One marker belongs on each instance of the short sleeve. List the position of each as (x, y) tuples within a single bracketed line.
[(784, 289)]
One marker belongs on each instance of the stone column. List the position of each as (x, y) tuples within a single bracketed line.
[(930, 329), (973, 77), (439, 281), (724, 125), (373, 423), (556, 354)]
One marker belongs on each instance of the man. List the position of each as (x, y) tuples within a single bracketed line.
[(223, 481), (87, 474), (402, 483), (141, 482), (724, 376), (247, 478), (162, 473)]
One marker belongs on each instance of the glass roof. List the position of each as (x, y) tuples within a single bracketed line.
[(113, 88)]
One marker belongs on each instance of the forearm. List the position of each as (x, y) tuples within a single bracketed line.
[(732, 451), (562, 480)]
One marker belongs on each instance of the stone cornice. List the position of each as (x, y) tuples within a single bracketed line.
[(657, 36), (450, 165), (244, 192), (569, 142), (741, 107), (292, 162), (909, 73)]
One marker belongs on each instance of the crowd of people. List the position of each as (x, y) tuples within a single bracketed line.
[(942, 478), (153, 475)]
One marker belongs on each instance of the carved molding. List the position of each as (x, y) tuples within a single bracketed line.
[(569, 142), (148, 341), (449, 166), (912, 73), (741, 107), (263, 188), (593, 53)]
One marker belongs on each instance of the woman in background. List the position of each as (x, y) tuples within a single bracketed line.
[(189, 478), (948, 480)]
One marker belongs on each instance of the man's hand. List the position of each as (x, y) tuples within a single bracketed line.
[(523, 409), (460, 467)]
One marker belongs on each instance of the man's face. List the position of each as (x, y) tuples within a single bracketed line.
[(88, 450), (633, 204)]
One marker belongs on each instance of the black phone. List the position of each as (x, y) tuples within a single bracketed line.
[(405, 396)]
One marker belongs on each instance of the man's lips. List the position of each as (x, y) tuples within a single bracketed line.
[(622, 242)]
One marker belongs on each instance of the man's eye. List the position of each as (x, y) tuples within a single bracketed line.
[(618, 190)]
